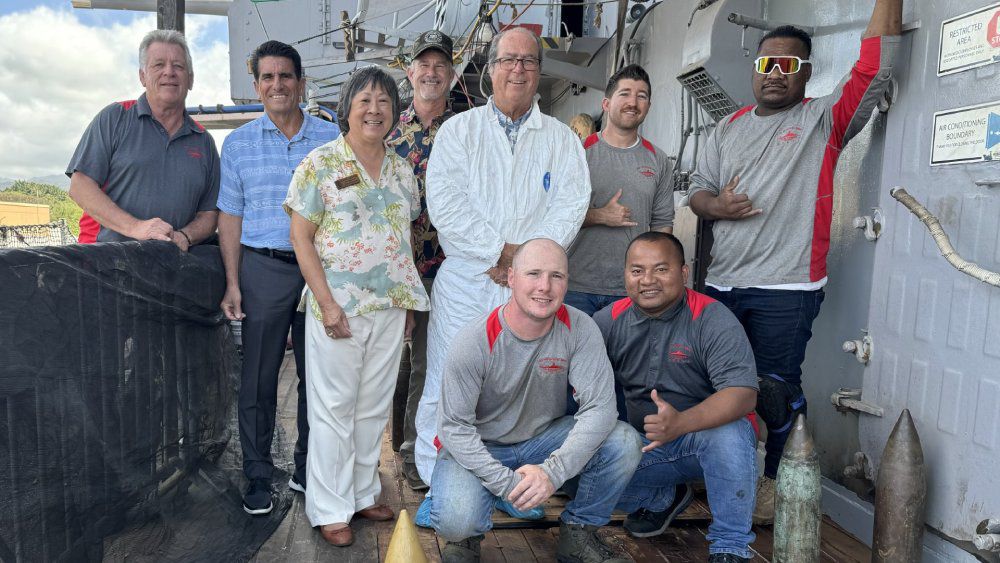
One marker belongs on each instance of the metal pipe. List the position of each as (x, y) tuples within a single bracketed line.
[(740, 19), (942, 240), (205, 7), (419, 13)]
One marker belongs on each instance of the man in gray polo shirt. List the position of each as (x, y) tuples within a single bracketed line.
[(144, 170), (503, 427), (689, 381), (631, 193)]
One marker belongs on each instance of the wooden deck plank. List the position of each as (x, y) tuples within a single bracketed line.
[(542, 543), (514, 546), (296, 540)]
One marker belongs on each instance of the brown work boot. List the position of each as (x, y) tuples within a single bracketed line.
[(579, 543), (763, 510)]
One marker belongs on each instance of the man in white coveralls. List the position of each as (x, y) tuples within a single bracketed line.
[(499, 175)]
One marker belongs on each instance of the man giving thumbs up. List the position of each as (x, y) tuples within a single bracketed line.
[(687, 373)]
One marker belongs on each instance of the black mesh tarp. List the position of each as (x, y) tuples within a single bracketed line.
[(117, 394)]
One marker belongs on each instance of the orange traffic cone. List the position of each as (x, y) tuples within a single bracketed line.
[(404, 546)]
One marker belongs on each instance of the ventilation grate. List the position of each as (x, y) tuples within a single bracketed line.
[(708, 94)]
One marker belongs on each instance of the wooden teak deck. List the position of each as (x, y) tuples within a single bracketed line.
[(513, 541)]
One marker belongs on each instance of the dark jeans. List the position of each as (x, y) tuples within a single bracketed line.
[(271, 290), (779, 325), (591, 303)]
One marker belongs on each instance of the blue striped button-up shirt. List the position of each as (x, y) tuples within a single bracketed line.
[(257, 165)]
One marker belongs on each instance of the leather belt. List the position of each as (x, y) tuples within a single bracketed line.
[(283, 255)]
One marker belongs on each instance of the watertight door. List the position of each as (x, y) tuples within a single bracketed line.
[(936, 331)]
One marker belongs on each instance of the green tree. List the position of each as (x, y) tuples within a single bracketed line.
[(59, 202)]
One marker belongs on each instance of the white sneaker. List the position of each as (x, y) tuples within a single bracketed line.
[(294, 485)]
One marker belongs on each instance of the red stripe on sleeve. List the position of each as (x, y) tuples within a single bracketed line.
[(590, 141), (649, 146), (862, 74), (742, 111), (619, 307), (563, 315), (697, 303), (127, 104), (823, 214), (493, 327)]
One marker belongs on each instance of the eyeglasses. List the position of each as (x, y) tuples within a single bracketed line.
[(510, 63), (785, 65)]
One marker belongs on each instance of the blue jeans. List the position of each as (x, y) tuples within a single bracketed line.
[(461, 507), (779, 325), (589, 303), (725, 457)]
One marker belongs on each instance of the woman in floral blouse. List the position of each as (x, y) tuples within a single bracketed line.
[(351, 202)]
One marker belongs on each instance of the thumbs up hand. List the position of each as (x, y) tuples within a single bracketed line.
[(661, 427), (732, 206), (615, 214)]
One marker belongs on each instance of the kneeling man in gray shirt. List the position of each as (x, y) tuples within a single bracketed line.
[(502, 424)]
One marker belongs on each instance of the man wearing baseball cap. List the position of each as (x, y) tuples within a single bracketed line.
[(431, 75)]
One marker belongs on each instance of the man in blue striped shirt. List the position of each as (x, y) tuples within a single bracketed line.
[(263, 282)]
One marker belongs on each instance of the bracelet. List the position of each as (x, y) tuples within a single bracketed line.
[(181, 231)]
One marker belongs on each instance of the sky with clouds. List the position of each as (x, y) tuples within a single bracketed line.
[(59, 66)]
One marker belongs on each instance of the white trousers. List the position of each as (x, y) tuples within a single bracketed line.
[(349, 392)]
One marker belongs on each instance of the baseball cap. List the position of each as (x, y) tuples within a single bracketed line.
[(432, 39)]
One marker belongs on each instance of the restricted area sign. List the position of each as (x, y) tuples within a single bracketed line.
[(970, 40), (969, 134)]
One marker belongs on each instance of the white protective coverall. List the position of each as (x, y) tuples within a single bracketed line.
[(480, 195)]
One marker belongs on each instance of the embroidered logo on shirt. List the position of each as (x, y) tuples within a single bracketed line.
[(790, 134), (552, 365), (647, 171), (679, 353), (193, 152), (546, 179)]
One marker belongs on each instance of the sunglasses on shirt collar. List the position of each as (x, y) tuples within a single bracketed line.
[(784, 64)]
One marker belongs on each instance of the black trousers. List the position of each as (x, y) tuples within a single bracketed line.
[(271, 289)]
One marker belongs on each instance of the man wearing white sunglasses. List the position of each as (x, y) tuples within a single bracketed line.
[(766, 179)]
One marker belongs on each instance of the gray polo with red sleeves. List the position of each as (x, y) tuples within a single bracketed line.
[(687, 353), (501, 389), (144, 172), (643, 174), (786, 164)]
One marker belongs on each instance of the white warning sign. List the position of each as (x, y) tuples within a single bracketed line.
[(969, 134), (970, 40)]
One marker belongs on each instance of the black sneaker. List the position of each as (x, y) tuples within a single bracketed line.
[(296, 485), (257, 499), (465, 551), (726, 558), (646, 523)]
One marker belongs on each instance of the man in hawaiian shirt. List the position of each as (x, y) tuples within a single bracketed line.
[(431, 75)]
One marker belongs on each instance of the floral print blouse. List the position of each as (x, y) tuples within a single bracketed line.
[(363, 228)]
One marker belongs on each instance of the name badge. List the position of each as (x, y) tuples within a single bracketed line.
[(348, 181)]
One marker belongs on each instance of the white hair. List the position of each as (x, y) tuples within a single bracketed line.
[(169, 36)]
